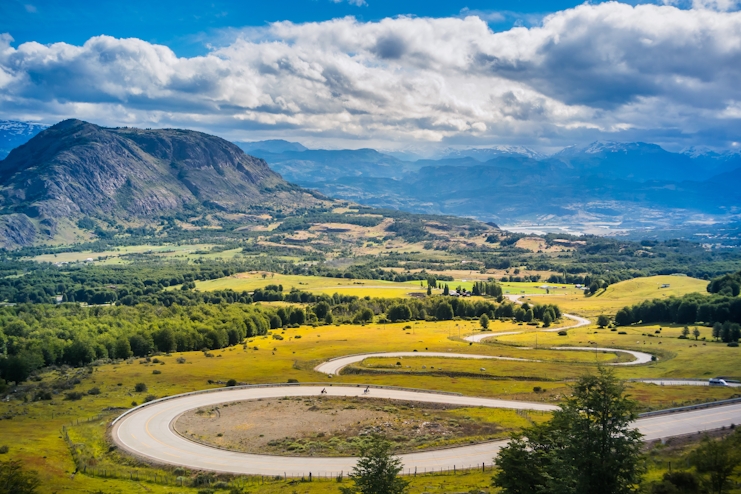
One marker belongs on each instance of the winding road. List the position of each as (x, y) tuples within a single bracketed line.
[(147, 431)]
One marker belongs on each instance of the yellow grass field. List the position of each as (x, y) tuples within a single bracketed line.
[(628, 292), (314, 284), (365, 288), (33, 429), (33, 433)]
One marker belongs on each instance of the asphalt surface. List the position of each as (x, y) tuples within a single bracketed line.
[(682, 382), (578, 323), (147, 432), (334, 366)]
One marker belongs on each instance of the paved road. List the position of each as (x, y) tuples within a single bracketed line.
[(579, 322), (334, 366), (681, 382), (147, 432)]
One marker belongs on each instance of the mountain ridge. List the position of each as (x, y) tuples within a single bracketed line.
[(76, 169)]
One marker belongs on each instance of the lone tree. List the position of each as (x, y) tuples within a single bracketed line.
[(587, 447), (603, 321), (377, 470), (484, 321), (696, 333)]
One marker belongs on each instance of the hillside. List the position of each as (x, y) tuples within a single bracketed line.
[(76, 170), (627, 293)]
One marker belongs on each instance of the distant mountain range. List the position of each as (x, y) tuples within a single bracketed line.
[(626, 185), (76, 169), (14, 133)]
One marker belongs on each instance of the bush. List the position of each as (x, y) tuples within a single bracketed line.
[(43, 394), (231, 382), (93, 391), (149, 398), (140, 387), (293, 381), (733, 344), (622, 332), (155, 371), (562, 333), (73, 396), (16, 479), (4, 449), (277, 337), (180, 360), (298, 336)]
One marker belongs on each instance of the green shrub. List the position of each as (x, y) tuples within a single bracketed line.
[(73, 396), (140, 387), (155, 371), (231, 382), (93, 391)]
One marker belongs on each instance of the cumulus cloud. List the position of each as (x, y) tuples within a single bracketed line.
[(650, 72)]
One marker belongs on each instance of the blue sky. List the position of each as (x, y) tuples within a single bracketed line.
[(406, 75)]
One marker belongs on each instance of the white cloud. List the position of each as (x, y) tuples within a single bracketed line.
[(650, 72)]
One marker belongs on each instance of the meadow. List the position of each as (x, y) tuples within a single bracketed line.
[(625, 293), (34, 429), (366, 288)]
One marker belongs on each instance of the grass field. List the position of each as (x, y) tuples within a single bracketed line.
[(32, 429), (36, 431), (161, 250), (362, 288), (628, 292), (314, 284)]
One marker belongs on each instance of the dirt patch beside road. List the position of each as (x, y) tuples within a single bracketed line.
[(323, 426)]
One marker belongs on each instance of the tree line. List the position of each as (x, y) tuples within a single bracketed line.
[(693, 308)]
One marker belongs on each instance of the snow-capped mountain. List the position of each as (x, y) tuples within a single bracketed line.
[(14, 133)]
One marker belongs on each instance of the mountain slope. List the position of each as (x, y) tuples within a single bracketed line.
[(76, 169)]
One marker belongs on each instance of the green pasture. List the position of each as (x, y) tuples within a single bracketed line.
[(629, 292), (363, 288)]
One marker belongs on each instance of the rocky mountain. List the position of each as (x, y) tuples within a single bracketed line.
[(14, 133), (77, 169)]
